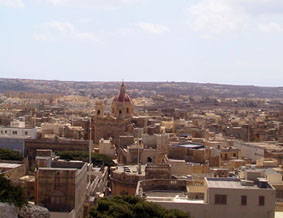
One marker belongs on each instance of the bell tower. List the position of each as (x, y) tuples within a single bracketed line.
[(99, 109), (122, 105)]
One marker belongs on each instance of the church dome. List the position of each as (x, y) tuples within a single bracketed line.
[(123, 96), (122, 105)]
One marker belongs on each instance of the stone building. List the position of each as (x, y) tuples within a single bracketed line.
[(160, 171), (221, 197), (258, 150), (106, 147), (116, 123), (190, 152), (124, 179), (151, 149), (122, 105), (12, 169), (61, 188), (31, 145)]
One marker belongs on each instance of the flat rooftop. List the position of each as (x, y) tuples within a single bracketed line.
[(169, 195), (265, 145), (28, 178), (133, 169), (9, 165), (230, 183), (192, 146)]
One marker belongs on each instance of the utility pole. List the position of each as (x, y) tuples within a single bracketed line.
[(90, 141), (139, 165), (248, 132)]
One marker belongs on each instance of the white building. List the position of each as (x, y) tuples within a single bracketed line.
[(255, 150), (18, 133), (223, 197)]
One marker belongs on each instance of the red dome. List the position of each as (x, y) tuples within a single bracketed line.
[(123, 96)]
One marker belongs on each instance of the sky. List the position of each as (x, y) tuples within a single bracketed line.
[(207, 41)]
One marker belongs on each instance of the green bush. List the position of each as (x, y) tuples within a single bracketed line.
[(11, 194), (97, 159), (132, 207), (6, 154)]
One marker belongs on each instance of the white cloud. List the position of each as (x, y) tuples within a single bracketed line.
[(214, 17), (12, 3), (271, 27), (105, 4), (152, 28), (56, 30)]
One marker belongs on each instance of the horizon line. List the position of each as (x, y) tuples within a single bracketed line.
[(153, 81)]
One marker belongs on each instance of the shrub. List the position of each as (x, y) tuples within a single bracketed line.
[(6, 154), (132, 207), (97, 159), (11, 194)]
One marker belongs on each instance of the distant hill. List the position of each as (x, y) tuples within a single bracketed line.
[(139, 88)]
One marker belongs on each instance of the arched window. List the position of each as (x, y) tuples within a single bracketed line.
[(98, 112)]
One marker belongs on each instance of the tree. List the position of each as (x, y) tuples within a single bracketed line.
[(7, 154), (11, 194), (97, 159), (132, 207)]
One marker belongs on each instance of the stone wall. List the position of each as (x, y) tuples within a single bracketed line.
[(31, 145), (160, 184), (29, 211), (15, 173), (8, 211)]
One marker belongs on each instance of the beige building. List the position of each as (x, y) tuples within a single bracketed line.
[(61, 188), (124, 179), (12, 169), (106, 147), (223, 197), (258, 150), (117, 122)]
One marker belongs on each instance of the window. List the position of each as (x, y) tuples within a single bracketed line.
[(234, 154), (173, 182), (14, 132), (220, 199), (57, 181), (243, 200), (279, 194), (261, 200), (26, 132), (128, 110)]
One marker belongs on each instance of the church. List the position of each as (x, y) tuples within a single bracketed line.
[(115, 123)]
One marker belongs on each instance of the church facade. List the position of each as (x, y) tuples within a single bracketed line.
[(117, 122)]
